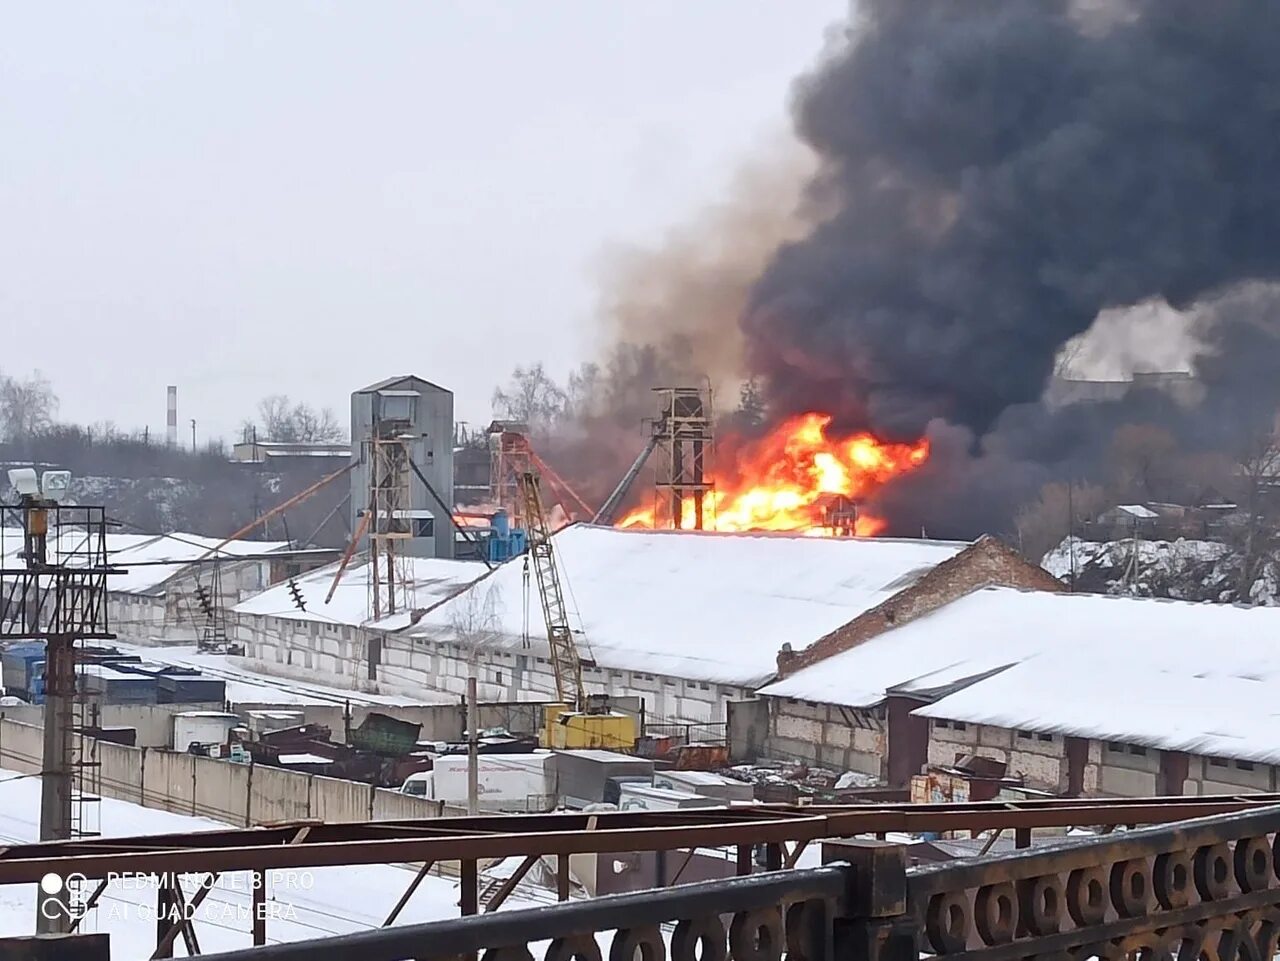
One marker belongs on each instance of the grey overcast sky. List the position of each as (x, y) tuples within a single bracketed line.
[(244, 198)]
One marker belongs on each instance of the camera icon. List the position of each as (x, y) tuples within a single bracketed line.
[(58, 896)]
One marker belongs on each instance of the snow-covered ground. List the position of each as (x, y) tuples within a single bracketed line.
[(248, 686), (315, 903)]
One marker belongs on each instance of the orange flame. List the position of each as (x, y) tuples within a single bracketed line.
[(793, 479)]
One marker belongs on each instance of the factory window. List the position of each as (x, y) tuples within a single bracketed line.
[(1045, 737), (958, 725), (669, 682), (1137, 751), (1217, 762), (942, 723), (1026, 735), (702, 685), (1244, 765), (1116, 746), (424, 527), (497, 677)]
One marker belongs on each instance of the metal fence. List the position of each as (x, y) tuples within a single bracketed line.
[(793, 912), (707, 733), (1206, 889)]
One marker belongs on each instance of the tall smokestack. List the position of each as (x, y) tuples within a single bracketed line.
[(171, 435)]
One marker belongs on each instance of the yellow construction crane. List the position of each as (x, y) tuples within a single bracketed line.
[(579, 720)]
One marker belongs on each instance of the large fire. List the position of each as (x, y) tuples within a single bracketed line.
[(796, 478)]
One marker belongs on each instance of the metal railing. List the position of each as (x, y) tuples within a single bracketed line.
[(1208, 888), (1204, 889), (799, 913)]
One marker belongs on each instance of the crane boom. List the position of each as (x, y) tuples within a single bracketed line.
[(565, 660)]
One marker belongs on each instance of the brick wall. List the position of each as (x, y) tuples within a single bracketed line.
[(985, 563)]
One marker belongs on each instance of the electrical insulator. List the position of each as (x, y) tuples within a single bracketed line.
[(204, 599), (296, 593)]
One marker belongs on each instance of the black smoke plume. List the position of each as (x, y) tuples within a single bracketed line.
[(997, 172)]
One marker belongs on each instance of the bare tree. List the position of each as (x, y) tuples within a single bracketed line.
[(27, 407), (475, 622), (1259, 532), (531, 397), (286, 422), (1060, 510)]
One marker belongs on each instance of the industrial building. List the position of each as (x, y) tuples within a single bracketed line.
[(176, 584), (689, 621), (318, 625), (1076, 694), (402, 435), (178, 587)]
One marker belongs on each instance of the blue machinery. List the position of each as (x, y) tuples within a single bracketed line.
[(498, 539)]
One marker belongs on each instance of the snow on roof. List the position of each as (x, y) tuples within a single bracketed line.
[(957, 642), (1178, 676), (1142, 670), (182, 549), (1137, 510), (434, 580), (697, 605)]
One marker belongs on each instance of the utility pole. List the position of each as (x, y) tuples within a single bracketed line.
[(473, 748), (59, 599), (193, 435)]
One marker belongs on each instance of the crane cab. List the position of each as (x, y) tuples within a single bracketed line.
[(598, 726)]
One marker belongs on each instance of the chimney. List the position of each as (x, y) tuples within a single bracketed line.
[(172, 433)]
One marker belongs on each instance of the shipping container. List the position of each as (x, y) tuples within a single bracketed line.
[(705, 783), (645, 797), (201, 727), (109, 686), (583, 776), (190, 689)]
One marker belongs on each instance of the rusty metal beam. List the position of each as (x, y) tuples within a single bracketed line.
[(510, 883), (408, 893), (521, 836), (185, 925)]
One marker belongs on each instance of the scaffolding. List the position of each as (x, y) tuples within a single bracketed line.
[(391, 525), (685, 446), (509, 460)]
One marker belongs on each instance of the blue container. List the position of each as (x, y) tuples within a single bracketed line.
[(500, 523), (17, 668), (117, 687)]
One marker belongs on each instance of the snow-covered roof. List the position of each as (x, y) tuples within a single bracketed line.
[(1167, 674), (433, 580), (1137, 510), (702, 606), (180, 548), (1171, 675), (957, 642)]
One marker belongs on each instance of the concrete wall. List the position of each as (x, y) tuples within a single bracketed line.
[(339, 655), (1111, 768), (153, 722), (239, 794), (1039, 758), (844, 739)]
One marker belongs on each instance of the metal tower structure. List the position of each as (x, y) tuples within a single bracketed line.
[(54, 590), (566, 662), (685, 444), (391, 523), (509, 461)]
